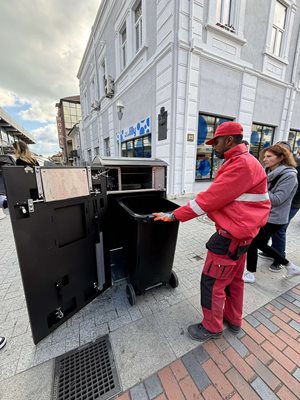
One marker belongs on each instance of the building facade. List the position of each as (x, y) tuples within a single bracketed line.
[(68, 115), (157, 77)]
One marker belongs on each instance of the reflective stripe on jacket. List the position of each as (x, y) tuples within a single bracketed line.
[(237, 200)]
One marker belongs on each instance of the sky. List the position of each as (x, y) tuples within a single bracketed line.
[(41, 45)]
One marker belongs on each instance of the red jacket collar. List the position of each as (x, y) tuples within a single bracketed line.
[(235, 151)]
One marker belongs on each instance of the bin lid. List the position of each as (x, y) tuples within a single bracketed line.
[(128, 161)]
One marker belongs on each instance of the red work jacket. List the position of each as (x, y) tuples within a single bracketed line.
[(237, 200)]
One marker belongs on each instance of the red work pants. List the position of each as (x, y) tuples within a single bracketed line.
[(222, 291)]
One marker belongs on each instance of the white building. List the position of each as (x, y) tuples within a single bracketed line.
[(180, 67)]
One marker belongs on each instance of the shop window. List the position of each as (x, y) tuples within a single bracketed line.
[(261, 137), (138, 147), (207, 164), (294, 141), (278, 28)]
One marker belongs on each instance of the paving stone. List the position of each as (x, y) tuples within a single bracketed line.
[(293, 295), (153, 386), (295, 325), (277, 304), (200, 354), (263, 390), (296, 374), (138, 392), (196, 371), (265, 312), (235, 343), (288, 297), (265, 321)]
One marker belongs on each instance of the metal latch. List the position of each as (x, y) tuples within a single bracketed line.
[(58, 313), (30, 205)]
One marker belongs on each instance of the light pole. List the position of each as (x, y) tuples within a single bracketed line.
[(120, 110)]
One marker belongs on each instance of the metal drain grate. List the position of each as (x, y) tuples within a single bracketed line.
[(87, 373)]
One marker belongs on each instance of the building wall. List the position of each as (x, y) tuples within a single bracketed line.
[(190, 65)]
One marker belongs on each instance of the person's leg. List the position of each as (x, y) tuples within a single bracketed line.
[(233, 310), (217, 274), (279, 238)]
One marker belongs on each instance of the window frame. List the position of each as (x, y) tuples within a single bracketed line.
[(138, 26), (261, 138), (123, 47), (277, 30)]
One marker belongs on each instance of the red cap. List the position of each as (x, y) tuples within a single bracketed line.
[(227, 129)]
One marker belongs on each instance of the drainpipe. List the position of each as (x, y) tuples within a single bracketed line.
[(187, 92), (293, 82), (174, 100)]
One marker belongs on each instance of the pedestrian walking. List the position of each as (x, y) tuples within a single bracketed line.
[(238, 202), (282, 186), (279, 238)]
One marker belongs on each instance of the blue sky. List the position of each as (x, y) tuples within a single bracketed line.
[(41, 46)]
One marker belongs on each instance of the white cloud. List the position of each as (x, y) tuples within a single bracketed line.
[(10, 99), (41, 112), (46, 138)]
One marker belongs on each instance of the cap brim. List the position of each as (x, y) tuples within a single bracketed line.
[(210, 142)]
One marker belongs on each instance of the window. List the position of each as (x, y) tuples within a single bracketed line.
[(294, 141), (261, 137), (207, 164), (225, 14), (278, 28), (139, 147), (138, 26), (123, 36), (102, 78), (96, 151), (107, 147)]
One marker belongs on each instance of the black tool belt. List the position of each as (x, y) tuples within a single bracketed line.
[(223, 243)]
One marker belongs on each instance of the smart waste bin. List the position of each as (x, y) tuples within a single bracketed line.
[(136, 187), (149, 246)]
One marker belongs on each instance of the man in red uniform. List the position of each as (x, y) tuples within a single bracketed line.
[(238, 202)]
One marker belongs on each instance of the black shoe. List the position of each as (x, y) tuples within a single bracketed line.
[(233, 328), (4, 204), (198, 332), (2, 342), (265, 255), (275, 267)]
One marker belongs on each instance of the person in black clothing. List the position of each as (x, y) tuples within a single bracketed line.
[(23, 155), (279, 238)]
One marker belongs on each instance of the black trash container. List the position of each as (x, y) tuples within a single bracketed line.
[(149, 245)]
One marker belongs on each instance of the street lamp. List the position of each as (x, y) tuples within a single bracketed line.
[(120, 109)]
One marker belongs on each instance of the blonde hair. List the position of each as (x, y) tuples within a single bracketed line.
[(23, 152), (280, 150)]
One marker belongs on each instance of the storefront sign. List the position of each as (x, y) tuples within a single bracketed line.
[(141, 128)]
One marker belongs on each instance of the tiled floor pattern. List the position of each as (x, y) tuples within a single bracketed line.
[(261, 362)]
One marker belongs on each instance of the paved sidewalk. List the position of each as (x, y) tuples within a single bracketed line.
[(261, 362), (145, 338)]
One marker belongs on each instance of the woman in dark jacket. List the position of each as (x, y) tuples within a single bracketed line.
[(282, 186), (23, 155)]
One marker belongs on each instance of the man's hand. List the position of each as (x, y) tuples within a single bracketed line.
[(166, 217)]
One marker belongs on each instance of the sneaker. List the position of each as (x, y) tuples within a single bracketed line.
[(275, 267), (292, 270), (249, 277), (264, 255), (198, 332), (2, 342), (233, 328)]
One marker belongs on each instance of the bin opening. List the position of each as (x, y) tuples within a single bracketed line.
[(146, 205)]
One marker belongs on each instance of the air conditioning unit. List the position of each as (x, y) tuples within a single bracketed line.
[(96, 105), (109, 87)]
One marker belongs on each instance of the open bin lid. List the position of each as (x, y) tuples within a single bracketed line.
[(128, 161)]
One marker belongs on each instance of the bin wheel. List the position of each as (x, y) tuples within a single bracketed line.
[(173, 281), (130, 293)]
